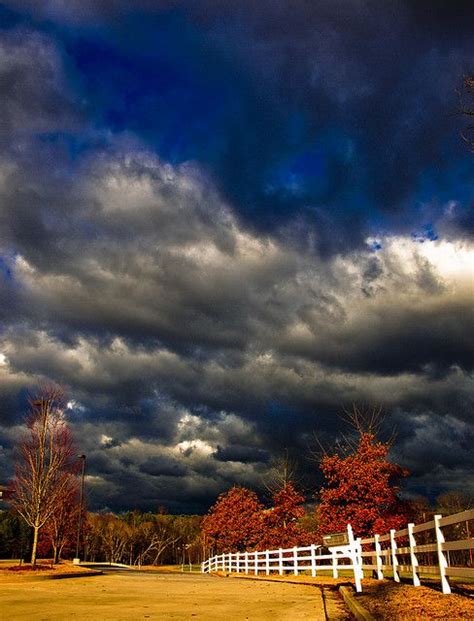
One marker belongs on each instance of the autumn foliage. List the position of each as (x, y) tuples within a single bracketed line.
[(280, 523), (239, 521), (361, 489), (235, 522)]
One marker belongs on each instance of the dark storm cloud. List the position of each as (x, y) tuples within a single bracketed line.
[(339, 113), (184, 221), (244, 454), (441, 444), (389, 339), (217, 319), (162, 467)]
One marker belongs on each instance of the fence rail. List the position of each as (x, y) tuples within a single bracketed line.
[(419, 548)]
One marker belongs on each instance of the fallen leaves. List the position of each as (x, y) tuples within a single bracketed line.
[(388, 600)]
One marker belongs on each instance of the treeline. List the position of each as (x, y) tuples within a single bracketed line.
[(143, 539), (133, 538), (238, 521)]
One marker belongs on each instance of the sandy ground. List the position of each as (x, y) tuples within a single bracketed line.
[(123, 596)]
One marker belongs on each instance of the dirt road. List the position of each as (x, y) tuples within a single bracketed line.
[(130, 596)]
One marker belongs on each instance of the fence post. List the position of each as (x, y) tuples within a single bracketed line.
[(267, 562), (360, 558), (334, 565), (295, 561), (237, 562), (230, 562), (313, 560), (413, 559), (393, 548), (378, 557), (442, 562), (354, 554), (280, 562), (246, 562), (255, 560)]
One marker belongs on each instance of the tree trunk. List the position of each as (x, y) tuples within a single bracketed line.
[(35, 545)]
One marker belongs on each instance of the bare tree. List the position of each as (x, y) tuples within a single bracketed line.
[(45, 461), (284, 470), (156, 538), (359, 419), (60, 529)]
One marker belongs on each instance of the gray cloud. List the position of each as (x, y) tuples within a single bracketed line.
[(33, 100), (243, 454)]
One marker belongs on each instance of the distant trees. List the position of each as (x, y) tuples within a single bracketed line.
[(454, 502), (142, 538), (45, 462), (15, 536), (361, 486)]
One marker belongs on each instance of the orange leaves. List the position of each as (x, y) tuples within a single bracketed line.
[(238, 521), (234, 523), (281, 527), (361, 489)]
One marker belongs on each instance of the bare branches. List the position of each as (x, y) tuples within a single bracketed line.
[(360, 420), (139, 539), (283, 471), (364, 420), (45, 461)]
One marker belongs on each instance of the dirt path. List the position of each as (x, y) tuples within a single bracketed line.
[(129, 597)]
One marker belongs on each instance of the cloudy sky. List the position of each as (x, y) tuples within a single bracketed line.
[(221, 223)]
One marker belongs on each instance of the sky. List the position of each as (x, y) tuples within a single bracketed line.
[(224, 223)]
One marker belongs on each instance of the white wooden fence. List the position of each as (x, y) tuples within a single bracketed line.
[(428, 548), (295, 560), (441, 547)]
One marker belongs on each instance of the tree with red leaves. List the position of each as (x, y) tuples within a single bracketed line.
[(361, 488), (280, 522), (45, 463), (234, 523)]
